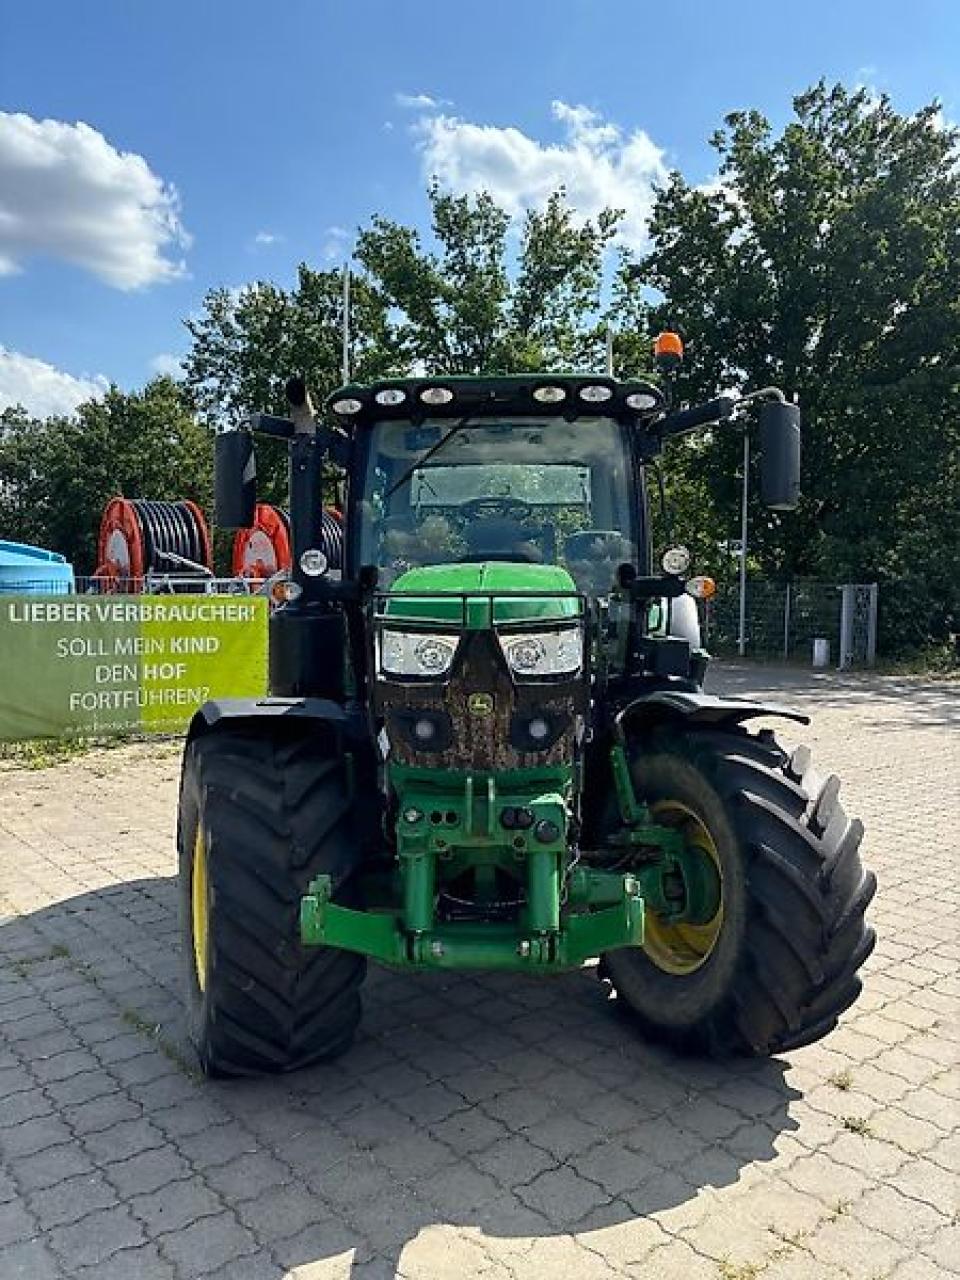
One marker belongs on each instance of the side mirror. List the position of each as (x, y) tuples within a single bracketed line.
[(780, 455), (234, 480)]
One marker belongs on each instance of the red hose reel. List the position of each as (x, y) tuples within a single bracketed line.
[(138, 537)]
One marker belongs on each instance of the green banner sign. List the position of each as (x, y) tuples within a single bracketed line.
[(104, 664)]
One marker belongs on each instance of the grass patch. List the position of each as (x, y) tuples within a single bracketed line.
[(23, 966), (47, 753), (939, 662), (739, 1271), (154, 1032), (842, 1080), (44, 753), (838, 1209), (857, 1124)]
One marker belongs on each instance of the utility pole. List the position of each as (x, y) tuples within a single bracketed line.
[(742, 637), (609, 345), (345, 367)]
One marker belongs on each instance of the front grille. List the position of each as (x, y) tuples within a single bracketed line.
[(479, 739)]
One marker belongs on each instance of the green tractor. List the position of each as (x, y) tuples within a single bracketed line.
[(487, 744)]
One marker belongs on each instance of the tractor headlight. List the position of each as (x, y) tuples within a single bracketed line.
[(544, 653), (416, 653)]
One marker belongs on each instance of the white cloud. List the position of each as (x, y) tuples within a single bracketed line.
[(41, 388), (597, 163), (335, 242), (267, 237), (420, 102), (166, 364), (66, 192)]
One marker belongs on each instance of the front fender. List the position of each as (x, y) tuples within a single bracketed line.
[(233, 711), (696, 708)]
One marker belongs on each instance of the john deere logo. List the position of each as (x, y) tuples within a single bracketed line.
[(480, 704)]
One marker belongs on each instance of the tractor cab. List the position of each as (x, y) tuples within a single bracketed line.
[(514, 487)]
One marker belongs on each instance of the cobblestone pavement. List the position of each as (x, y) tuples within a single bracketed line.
[(482, 1126)]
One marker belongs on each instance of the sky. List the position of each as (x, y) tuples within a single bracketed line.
[(150, 152)]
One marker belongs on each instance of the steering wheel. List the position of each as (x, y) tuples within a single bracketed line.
[(504, 506)]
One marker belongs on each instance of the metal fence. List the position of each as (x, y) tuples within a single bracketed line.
[(152, 584), (783, 619)]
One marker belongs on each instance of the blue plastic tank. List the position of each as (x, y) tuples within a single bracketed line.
[(31, 570)]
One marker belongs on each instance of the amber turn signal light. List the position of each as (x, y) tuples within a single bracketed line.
[(701, 588), (668, 348)]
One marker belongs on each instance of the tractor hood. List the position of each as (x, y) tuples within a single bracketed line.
[(445, 593)]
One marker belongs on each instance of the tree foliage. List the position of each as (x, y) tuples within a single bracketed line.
[(827, 259), (466, 307), (824, 258), (57, 474)]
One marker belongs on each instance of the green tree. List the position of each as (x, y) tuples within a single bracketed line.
[(827, 259), (248, 342), (466, 307), (57, 474)]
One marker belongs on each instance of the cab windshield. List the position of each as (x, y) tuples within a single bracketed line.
[(535, 491)]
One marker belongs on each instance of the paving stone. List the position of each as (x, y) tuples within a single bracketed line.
[(15, 1080), (51, 1166), (23, 1106), (80, 1088), (469, 1131), (16, 1224), (175, 1205), (101, 1113), (205, 1245), (196, 1116), (34, 1135), (218, 1146), (617, 1168), (514, 1160), (120, 1141), (144, 1262), (72, 1199), (96, 1237), (62, 1066), (247, 1176), (399, 1160), (252, 1266), (30, 1261), (905, 1131), (359, 1177), (918, 1268), (284, 1211), (520, 1108), (562, 1196), (148, 1170), (844, 1239), (564, 1136), (944, 1248)]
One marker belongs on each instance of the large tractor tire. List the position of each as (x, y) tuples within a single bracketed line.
[(263, 811), (777, 964)]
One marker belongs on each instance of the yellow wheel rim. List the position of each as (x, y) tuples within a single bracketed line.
[(199, 904), (682, 949)]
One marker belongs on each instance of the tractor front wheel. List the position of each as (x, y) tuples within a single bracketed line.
[(262, 812), (776, 964)]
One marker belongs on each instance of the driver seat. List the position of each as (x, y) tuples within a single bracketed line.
[(501, 538)]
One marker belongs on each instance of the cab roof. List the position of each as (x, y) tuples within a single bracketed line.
[(488, 395)]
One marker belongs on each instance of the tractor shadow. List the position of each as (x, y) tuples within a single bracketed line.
[(885, 701), (505, 1108)]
